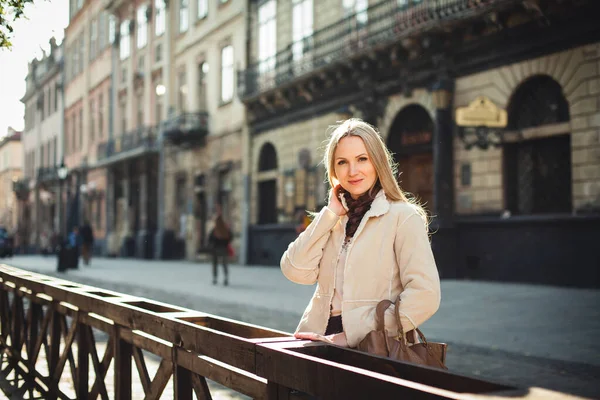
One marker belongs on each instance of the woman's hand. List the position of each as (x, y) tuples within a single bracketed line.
[(338, 339), (335, 204)]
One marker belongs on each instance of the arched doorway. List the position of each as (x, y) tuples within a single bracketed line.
[(267, 185), (537, 172), (410, 140)]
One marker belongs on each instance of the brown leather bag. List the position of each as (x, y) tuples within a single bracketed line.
[(399, 347)]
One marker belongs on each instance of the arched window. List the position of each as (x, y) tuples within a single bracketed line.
[(537, 101), (267, 160), (410, 140), (537, 172)]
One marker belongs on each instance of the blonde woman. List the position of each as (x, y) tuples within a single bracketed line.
[(368, 244)]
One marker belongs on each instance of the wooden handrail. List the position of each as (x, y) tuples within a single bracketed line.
[(63, 318)]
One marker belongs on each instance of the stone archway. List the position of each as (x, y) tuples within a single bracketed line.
[(537, 170), (410, 140)]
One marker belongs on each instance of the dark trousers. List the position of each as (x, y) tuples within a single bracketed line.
[(334, 325), (86, 252), (220, 254)]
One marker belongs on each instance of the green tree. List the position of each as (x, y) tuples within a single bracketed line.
[(10, 11)]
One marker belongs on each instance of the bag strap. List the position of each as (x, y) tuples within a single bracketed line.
[(382, 306), (401, 334)]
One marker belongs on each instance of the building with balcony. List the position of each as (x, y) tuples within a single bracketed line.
[(204, 128), (87, 117), (42, 142), (490, 108), (11, 171)]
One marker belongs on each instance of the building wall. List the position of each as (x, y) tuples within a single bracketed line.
[(578, 72), (288, 141), (85, 85), (204, 40), (11, 161)]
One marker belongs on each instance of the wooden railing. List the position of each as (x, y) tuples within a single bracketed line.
[(69, 322)]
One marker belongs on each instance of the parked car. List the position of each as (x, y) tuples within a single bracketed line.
[(6, 243)]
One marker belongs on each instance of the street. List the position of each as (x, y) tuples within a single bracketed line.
[(524, 335)]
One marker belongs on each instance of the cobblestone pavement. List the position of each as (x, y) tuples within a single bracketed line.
[(525, 335)]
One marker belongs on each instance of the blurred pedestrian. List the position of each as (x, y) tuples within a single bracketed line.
[(73, 243), (87, 242), (219, 240), (370, 243)]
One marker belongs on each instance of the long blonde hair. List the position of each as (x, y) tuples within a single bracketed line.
[(379, 154)]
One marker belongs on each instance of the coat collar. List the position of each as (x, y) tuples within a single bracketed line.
[(379, 206)]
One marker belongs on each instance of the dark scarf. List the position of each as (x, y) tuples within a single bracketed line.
[(358, 208)]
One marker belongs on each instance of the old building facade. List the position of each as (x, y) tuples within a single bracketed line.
[(42, 150), (88, 68), (204, 133), (153, 124), (512, 185), (11, 171)]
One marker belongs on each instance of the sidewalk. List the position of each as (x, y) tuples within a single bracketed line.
[(498, 330)]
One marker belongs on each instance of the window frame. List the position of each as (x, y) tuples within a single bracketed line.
[(229, 70)]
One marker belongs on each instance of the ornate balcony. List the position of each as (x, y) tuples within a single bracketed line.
[(186, 129), (386, 22), (21, 189), (137, 142), (47, 174)]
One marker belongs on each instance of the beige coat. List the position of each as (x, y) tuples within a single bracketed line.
[(389, 255)]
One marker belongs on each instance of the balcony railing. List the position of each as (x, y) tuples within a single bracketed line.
[(47, 174), (143, 138), (21, 188), (189, 128), (383, 23)]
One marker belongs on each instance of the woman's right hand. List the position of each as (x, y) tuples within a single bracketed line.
[(335, 204)]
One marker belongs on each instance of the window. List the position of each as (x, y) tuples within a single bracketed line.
[(75, 68), (202, 73), (359, 9), (81, 127), (92, 120), (101, 31), (159, 17), (142, 26), (93, 39), (182, 92), (112, 28), (100, 116), (140, 110), (302, 19), (123, 115), (81, 52), (124, 46), (184, 16), (158, 53), (202, 8), (267, 30), (227, 74)]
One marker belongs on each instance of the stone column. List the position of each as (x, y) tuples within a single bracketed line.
[(444, 240)]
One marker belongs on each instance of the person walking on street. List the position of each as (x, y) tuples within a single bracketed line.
[(73, 242), (368, 244), (219, 240), (87, 242)]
